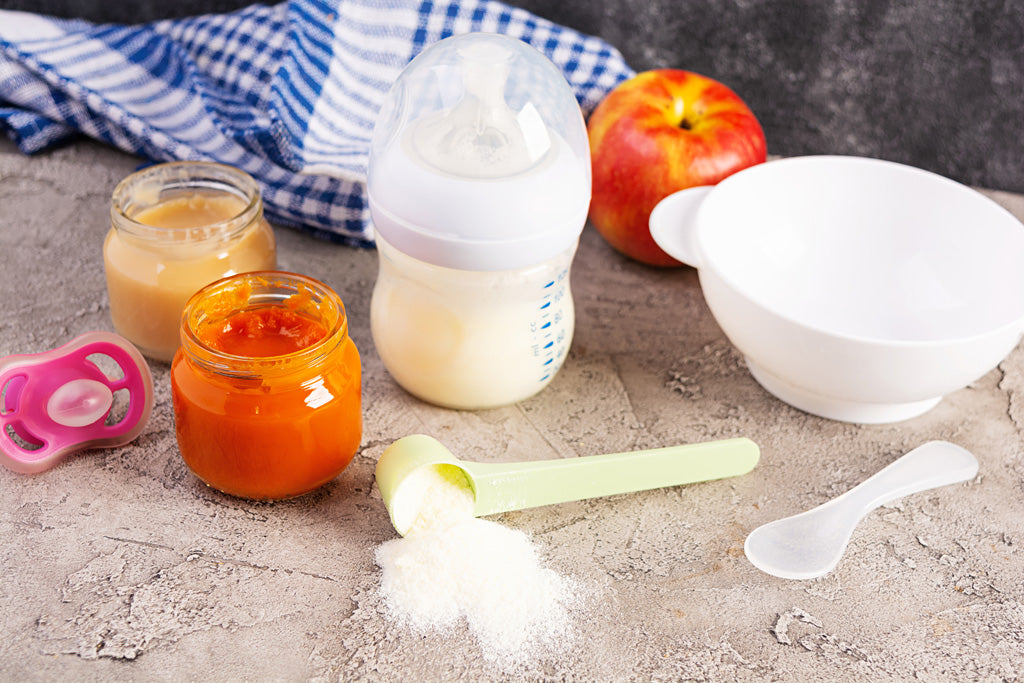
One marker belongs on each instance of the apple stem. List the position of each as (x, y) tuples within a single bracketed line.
[(680, 113)]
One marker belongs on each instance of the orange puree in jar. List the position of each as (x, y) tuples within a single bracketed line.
[(266, 386), (263, 332)]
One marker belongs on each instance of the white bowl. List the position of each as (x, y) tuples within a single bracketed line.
[(858, 289)]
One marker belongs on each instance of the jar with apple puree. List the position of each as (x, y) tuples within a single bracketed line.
[(176, 227), (266, 386)]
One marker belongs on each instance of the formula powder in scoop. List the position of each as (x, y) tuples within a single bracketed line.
[(451, 565)]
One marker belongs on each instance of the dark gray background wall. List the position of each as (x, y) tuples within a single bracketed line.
[(933, 83)]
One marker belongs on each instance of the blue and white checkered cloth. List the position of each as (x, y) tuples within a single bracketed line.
[(289, 93)]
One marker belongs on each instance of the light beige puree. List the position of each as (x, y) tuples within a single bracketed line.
[(149, 281)]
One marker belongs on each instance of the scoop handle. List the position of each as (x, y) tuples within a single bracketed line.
[(501, 487)]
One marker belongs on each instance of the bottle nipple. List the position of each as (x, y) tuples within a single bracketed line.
[(481, 136)]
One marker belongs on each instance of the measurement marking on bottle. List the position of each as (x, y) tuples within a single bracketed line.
[(546, 329)]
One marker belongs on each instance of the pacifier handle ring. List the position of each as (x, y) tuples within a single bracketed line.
[(30, 380)]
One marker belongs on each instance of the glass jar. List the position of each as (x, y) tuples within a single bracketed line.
[(471, 339), (175, 228), (266, 386)]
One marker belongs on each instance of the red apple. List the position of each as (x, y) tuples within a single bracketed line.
[(659, 132)]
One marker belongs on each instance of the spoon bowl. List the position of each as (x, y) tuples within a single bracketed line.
[(810, 544), (502, 487)]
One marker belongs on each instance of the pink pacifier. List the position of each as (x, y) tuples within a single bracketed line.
[(58, 402)]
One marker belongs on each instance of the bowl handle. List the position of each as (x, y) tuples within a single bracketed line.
[(673, 224)]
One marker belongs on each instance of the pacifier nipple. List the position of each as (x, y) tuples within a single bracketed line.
[(80, 402), (60, 401)]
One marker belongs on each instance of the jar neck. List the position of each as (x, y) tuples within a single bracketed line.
[(163, 183), (304, 296)]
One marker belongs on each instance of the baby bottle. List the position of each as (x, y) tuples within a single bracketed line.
[(479, 185)]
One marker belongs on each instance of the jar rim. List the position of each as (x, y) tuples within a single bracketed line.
[(181, 176), (272, 288)]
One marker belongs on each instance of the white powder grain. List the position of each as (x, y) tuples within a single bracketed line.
[(452, 566), (434, 496)]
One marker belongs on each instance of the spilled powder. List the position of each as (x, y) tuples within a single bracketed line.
[(451, 567)]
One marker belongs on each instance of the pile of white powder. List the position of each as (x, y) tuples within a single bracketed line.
[(452, 566)]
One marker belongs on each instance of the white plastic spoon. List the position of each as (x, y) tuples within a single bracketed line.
[(810, 544)]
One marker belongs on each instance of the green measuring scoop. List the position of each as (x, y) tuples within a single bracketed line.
[(501, 487)]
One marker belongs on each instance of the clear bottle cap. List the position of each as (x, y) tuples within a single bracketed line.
[(479, 158)]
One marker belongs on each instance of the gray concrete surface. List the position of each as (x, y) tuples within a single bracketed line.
[(120, 565)]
